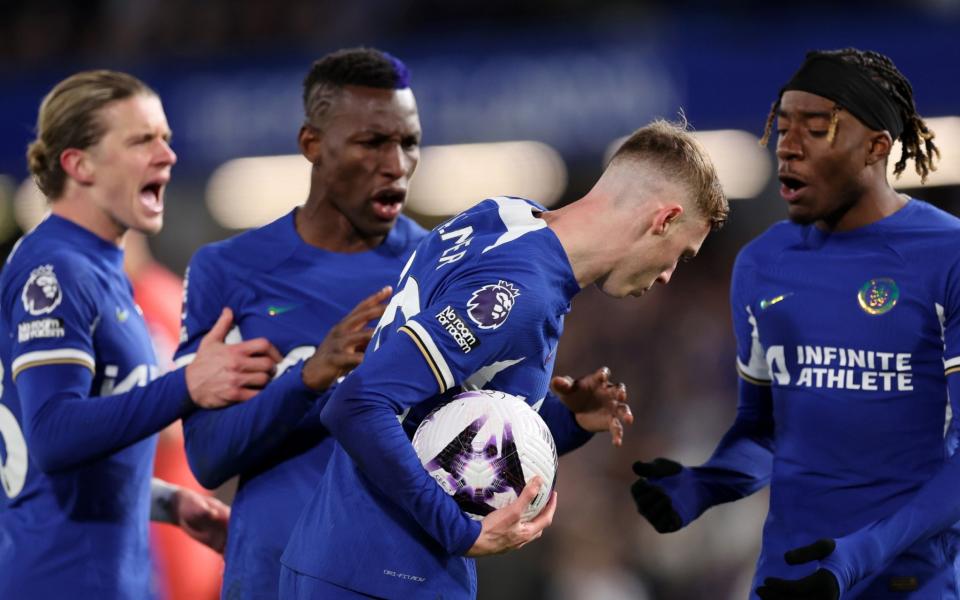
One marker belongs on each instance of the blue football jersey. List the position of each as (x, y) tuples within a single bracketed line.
[(281, 288), (480, 305), (857, 333), (76, 423)]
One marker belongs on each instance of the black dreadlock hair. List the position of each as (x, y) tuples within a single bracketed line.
[(916, 139)]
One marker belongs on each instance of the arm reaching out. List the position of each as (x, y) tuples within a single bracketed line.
[(224, 443)]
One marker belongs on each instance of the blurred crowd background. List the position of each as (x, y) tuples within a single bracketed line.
[(572, 76)]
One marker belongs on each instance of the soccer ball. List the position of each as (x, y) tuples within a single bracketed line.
[(483, 447)]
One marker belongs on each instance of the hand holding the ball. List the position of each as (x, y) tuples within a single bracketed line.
[(503, 530), (598, 403)]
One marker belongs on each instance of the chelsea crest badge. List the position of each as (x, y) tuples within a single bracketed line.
[(878, 296)]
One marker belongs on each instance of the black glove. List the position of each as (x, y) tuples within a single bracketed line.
[(652, 502), (820, 585)]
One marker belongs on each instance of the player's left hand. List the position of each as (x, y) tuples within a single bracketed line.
[(598, 403), (201, 517), (820, 585), (344, 345)]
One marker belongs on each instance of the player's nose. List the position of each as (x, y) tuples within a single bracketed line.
[(665, 276), (788, 146), (395, 163)]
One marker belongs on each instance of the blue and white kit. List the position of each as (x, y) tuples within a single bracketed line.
[(77, 420), (480, 305), (849, 343)]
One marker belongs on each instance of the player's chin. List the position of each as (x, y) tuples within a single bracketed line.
[(149, 224), (801, 214), (377, 225), (615, 291)]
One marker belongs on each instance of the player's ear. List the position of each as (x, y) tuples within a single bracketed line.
[(77, 164), (879, 145), (666, 216), (309, 142)]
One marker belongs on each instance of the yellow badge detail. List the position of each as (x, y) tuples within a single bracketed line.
[(878, 296)]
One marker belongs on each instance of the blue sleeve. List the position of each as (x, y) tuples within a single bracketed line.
[(362, 416), (205, 294), (931, 510), (935, 506), (225, 442), (64, 427), (53, 364), (743, 460), (435, 350), (567, 433)]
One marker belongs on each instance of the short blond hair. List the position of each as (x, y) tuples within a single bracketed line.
[(69, 118), (674, 153)]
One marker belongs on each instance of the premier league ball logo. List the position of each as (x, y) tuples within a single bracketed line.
[(483, 447), (490, 306), (475, 475), (42, 293)]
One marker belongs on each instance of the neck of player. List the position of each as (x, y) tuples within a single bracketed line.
[(575, 228), (320, 224), (875, 202)]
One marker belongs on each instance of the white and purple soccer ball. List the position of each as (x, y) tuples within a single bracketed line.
[(483, 447)]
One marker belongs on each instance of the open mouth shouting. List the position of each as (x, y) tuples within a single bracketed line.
[(388, 203), (151, 195)]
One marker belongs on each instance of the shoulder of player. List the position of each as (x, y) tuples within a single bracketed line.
[(257, 249), (926, 235), (67, 263), (410, 232), (929, 218), (479, 238), (531, 290), (508, 228), (69, 270)]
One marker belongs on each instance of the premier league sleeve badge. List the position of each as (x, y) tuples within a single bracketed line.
[(41, 294)]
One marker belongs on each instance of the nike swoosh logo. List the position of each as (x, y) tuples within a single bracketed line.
[(279, 310), (765, 304)]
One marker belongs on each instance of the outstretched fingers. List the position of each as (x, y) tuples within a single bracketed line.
[(616, 431), (366, 310)]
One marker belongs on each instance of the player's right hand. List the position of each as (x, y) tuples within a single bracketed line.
[(222, 373), (503, 530), (652, 500), (343, 347)]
